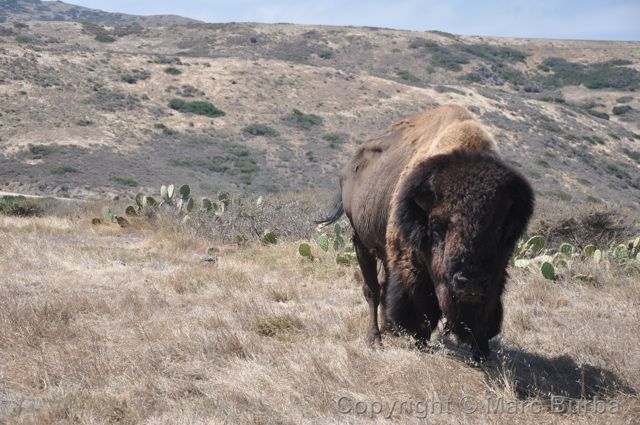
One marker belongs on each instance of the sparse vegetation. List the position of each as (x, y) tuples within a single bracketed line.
[(172, 70), (125, 181), (63, 169), (621, 110), (42, 150), (336, 140), (598, 114), (407, 76), (493, 54), (197, 107), (135, 76), (301, 120), (624, 99), (610, 74), (165, 130), (326, 54), (105, 38), (257, 129), (19, 206), (633, 154)]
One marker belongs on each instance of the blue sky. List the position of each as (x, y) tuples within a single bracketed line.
[(572, 19)]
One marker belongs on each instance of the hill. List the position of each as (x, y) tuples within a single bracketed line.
[(36, 10), (86, 103)]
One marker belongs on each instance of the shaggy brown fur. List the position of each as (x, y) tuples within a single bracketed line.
[(433, 201)]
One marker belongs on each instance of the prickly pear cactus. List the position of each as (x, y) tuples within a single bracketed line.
[(548, 271), (323, 241), (184, 192), (225, 198), (269, 238), (107, 215), (304, 249)]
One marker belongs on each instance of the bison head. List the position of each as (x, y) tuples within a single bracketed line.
[(464, 212)]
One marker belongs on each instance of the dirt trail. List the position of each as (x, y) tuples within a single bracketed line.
[(57, 198)]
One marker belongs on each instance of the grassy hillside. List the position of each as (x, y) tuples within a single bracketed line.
[(103, 324), (266, 108)]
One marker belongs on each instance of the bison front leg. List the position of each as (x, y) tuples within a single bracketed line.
[(370, 288), (481, 350), (411, 305)]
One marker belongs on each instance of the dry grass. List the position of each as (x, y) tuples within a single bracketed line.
[(109, 325)]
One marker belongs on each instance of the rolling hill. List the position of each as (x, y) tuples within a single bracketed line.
[(84, 103)]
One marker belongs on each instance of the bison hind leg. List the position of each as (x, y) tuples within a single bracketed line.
[(370, 289)]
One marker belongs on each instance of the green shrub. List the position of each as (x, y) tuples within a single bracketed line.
[(165, 130), (236, 150), (19, 206), (182, 162), (42, 150), (441, 56), (448, 60), (594, 140), (635, 155), (610, 74), (197, 107), (598, 114), (24, 39), (20, 25), (335, 139), (135, 76), (105, 38), (245, 166), (260, 130), (172, 71), (326, 54), (621, 110), (217, 164), (128, 78), (494, 54), (301, 120), (407, 76), (63, 169), (125, 181)]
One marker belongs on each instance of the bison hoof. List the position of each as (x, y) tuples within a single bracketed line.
[(480, 358), (373, 339)]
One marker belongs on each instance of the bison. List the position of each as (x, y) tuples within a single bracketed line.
[(433, 201)]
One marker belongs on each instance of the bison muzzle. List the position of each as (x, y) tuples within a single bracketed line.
[(432, 200)]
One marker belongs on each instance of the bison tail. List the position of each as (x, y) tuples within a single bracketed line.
[(335, 215)]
